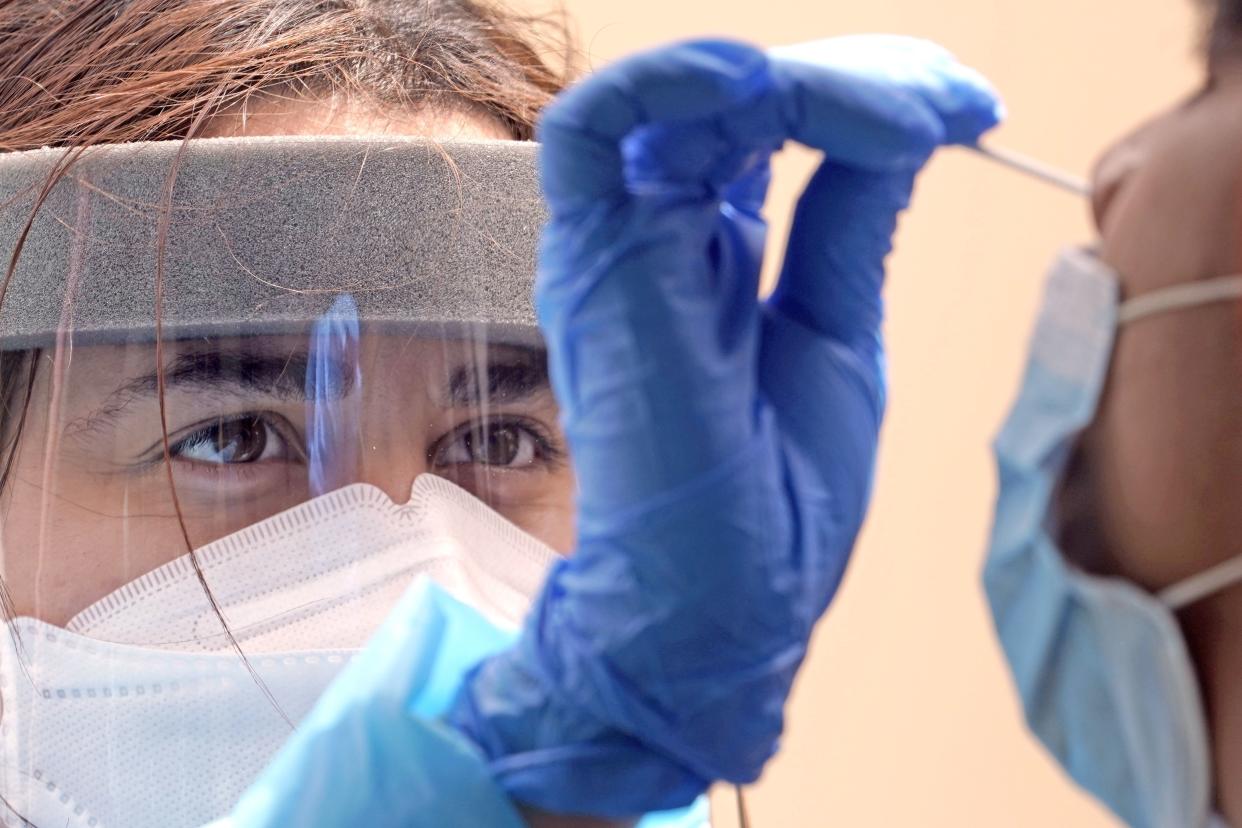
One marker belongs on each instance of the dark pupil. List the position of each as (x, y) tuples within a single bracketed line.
[(241, 440), (494, 446)]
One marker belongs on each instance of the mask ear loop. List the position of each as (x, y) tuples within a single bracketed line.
[(1189, 295), (1222, 289), (1197, 587)]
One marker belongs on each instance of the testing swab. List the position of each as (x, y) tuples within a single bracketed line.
[(1037, 169)]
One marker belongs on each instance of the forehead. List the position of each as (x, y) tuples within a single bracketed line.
[(287, 113)]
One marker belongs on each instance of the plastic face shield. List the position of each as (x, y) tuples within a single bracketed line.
[(295, 315), (198, 337)]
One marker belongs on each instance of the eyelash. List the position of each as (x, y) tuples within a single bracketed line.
[(547, 449), (205, 434)]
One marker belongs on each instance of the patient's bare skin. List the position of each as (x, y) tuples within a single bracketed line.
[(1156, 494)]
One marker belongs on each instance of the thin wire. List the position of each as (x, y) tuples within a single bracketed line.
[(743, 818), (1036, 169)]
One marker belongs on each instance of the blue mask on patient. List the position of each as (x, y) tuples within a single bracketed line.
[(1101, 665)]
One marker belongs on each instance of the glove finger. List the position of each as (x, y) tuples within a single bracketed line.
[(650, 312), (963, 100), (828, 400), (865, 118), (833, 272), (854, 119), (583, 129), (689, 160), (737, 251), (652, 342), (822, 357), (747, 193)]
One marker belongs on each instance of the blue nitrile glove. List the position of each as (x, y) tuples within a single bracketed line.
[(724, 447), (371, 753)]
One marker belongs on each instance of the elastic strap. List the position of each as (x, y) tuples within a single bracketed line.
[(1197, 587), (1179, 297)]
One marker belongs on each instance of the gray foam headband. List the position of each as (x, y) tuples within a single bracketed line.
[(264, 233)]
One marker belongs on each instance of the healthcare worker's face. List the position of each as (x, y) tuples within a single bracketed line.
[(89, 506), (1160, 475)]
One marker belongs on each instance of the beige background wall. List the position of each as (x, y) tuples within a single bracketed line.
[(905, 715)]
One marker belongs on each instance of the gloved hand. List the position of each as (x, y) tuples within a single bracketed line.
[(724, 447), (371, 752)]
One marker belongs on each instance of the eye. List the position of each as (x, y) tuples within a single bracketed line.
[(502, 443), (250, 438)]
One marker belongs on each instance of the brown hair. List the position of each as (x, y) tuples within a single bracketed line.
[(83, 72)]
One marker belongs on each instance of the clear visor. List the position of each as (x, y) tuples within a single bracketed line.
[(120, 458)]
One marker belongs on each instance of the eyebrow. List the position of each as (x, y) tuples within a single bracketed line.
[(239, 369), (513, 374), (280, 374)]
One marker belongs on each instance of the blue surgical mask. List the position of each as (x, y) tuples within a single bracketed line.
[(1103, 670)]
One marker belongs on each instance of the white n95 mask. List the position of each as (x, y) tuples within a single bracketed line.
[(140, 715), (324, 574), (1102, 667)]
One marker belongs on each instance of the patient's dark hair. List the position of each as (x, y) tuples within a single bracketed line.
[(1226, 32)]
